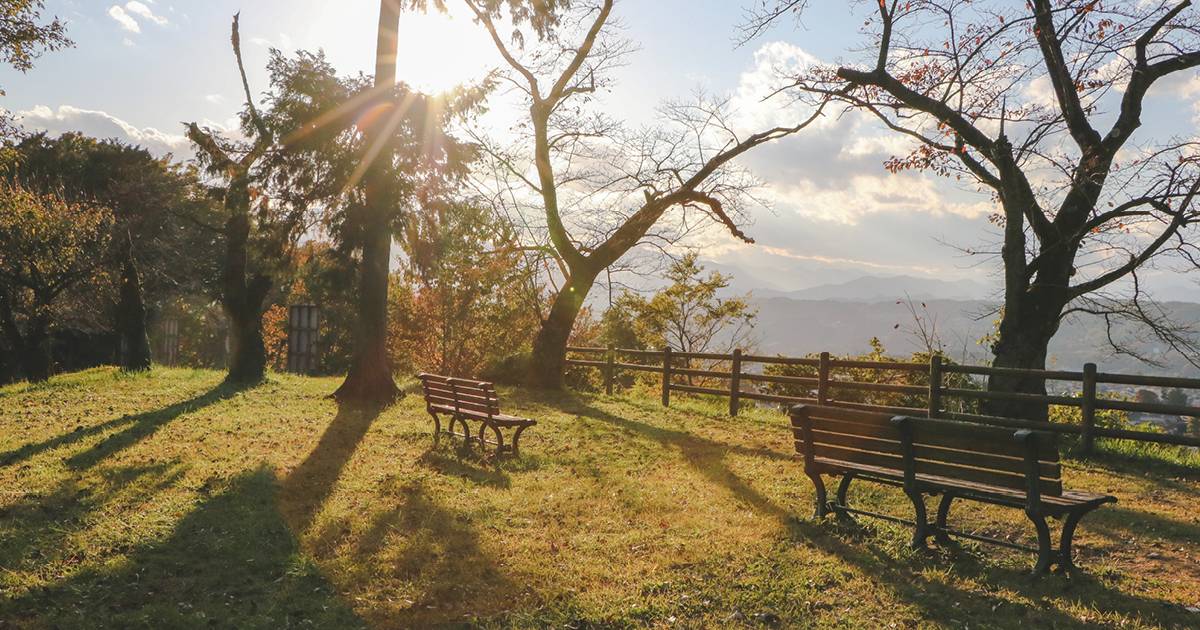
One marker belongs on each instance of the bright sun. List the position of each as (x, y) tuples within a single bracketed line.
[(439, 52)]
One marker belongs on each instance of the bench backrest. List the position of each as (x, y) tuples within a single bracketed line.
[(958, 450), (477, 398)]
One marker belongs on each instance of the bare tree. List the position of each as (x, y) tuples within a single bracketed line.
[(1010, 96), (245, 281), (601, 188)]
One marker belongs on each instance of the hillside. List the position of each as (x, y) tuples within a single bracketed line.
[(166, 500), (794, 327)]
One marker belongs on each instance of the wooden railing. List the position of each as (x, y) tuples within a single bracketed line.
[(612, 361)]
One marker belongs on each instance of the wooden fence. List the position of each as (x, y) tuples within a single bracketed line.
[(827, 383)]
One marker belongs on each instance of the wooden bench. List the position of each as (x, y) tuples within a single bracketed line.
[(465, 401), (956, 460)]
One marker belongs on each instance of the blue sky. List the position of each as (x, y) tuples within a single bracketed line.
[(141, 68)]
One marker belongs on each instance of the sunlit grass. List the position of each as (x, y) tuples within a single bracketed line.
[(164, 500)]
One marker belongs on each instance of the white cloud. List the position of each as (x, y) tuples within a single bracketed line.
[(124, 19), (102, 125), (144, 12), (863, 195), (215, 99)]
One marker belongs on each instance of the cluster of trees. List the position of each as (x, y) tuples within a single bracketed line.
[(502, 239)]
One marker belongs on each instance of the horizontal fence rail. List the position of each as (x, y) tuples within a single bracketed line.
[(828, 383)]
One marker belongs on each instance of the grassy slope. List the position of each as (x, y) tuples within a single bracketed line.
[(165, 501)]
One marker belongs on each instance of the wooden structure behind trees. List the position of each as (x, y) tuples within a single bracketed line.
[(304, 330), (828, 383)]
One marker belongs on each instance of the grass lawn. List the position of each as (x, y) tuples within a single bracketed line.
[(163, 500)]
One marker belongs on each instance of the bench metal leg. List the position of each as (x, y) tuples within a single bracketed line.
[(822, 499), (939, 532), (1045, 546), (437, 428), (516, 439), (483, 427), (840, 504), (1066, 561), (921, 532)]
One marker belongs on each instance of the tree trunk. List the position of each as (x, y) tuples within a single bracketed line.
[(248, 358), (548, 361), (1029, 322), (134, 353), (243, 292), (36, 359), (369, 381)]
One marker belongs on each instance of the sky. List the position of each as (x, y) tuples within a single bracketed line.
[(142, 68)]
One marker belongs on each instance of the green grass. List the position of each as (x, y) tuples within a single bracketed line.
[(164, 500)]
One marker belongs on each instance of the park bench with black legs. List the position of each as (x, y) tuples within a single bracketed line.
[(956, 460), (465, 401)]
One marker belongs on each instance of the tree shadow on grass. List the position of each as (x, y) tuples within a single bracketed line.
[(704, 455), (230, 563), (137, 428), (310, 484), (925, 581), (35, 528), (906, 575), (436, 553), (465, 463)]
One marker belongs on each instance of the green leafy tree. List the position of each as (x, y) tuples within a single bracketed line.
[(463, 301), (24, 36), (690, 315), (161, 242), (47, 246)]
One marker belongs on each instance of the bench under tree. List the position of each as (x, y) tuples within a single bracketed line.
[(465, 401), (956, 460)]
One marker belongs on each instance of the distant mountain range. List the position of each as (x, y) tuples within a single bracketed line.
[(880, 288), (842, 317), (794, 327)]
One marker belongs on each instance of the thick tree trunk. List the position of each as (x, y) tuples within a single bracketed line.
[(134, 353), (248, 357), (1030, 320), (243, 292), (548, 361), (369, 381)]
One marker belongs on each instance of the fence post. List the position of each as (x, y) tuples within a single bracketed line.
[(823, 380), (735, 382), (1088, 409), (935, 385), (666, 377), (608, 371)]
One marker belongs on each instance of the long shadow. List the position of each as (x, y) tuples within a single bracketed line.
[(905, 576), (438, 551), (33, 528), (143, 425), (704, 455), (310, 484), (138, 426), (1122, 522), (231, 563)]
